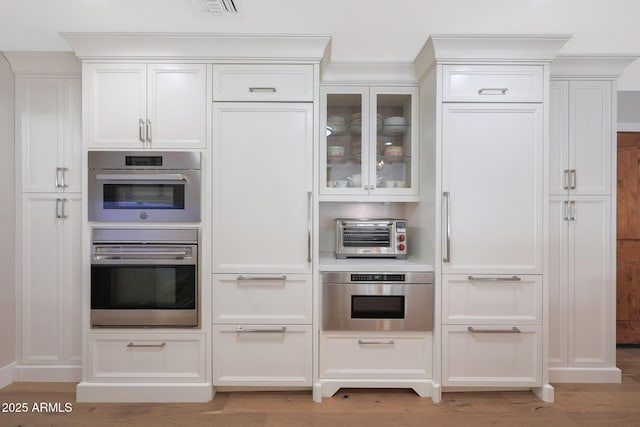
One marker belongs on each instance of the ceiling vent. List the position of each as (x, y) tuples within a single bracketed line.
[(216, 6)]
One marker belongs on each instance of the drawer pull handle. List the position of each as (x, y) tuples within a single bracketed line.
[(241, 278), (132, 345), (494, 279), (262, 89), (281, 330), (375, 342), (493, 91), (513, 330)]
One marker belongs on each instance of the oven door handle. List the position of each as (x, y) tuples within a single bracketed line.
[(141, 177), (139, 255)]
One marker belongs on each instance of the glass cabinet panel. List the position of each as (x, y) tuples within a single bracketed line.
[(393, 140), (344, 133)]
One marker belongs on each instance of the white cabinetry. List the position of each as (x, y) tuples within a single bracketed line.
[(48, 112), (51, 289), (492, 180), (262, 226), (262, 176), (139, 105), (582, 219), (49, 220), (490, 138), (369, 143)]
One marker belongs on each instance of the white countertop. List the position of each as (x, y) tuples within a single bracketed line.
[(328, 262)]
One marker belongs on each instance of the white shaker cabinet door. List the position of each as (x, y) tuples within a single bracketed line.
[(115, 103), (51, 279), (262, 187), (177, 105), (492, 183)]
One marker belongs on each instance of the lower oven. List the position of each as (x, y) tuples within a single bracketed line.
[(377, 301), (144, 277)]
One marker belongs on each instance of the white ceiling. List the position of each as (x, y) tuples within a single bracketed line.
[(367, 30)]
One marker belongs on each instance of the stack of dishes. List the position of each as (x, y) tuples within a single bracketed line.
[(336, 125), (355, 123), (393, 153), (335, 153), (356, 149), (379, 122), (394, 126)]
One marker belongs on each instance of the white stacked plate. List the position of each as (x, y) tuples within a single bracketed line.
[(394, 126)]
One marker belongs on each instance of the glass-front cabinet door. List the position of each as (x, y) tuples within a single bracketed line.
[(369, 144)]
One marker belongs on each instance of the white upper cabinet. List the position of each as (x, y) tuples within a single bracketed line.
[(235, 82), (262, 181), (580, 134), (138, 105), (369, 143), (49, 134), (492, 166)]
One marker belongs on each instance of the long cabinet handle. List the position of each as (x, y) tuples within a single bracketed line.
[(243, 330), (565, 179), (569, 210), (447, 217), (60, 214), (493, 91), (375, 342), (141, 131), (565, 210), (494, 279), (309, 223), (262, 89), (132, 345), (60, 177), (573, 210), (513, 330), (572, 179), (261, 278), (149, 131)]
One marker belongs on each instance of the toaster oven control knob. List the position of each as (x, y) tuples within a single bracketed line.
[(401, 247), (401, 238)]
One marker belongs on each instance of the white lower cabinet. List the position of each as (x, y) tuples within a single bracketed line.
[(146, 357), (262, 355), (492, 356), (366, 355), (262, 299)]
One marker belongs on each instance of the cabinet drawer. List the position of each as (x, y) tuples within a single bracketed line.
[(492, 356), (262, 355), (492, 83), (502, 299), (263, 83), (261, 299), (147, 357), (372, 355)]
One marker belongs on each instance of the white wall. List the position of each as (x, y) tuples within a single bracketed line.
[(7, 217), (629, 111)]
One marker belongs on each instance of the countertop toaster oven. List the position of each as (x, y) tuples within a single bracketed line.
[(371, 238)]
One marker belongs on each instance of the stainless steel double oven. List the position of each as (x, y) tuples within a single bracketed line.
[(144, 275)]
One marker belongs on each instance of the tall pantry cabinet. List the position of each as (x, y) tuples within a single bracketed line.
[(48, 151), (263, 121), (582, 209), (490, 141)]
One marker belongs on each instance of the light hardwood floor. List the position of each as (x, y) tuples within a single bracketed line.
[(575, 405)]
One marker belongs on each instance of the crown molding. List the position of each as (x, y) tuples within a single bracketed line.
[(199, 46), (44, 63), (383, 73), (604, 66), (488, 47)]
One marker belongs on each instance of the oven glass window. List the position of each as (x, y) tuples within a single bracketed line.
[(377, 306), (143, 196), (143, 287)]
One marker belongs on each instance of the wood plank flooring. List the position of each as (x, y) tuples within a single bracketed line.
[(575, 405)]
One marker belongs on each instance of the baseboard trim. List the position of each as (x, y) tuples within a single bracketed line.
[(602, 375), (144, 392), (48, 373), (7, 374)]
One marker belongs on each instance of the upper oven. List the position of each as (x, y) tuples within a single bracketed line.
[(144, 186)]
